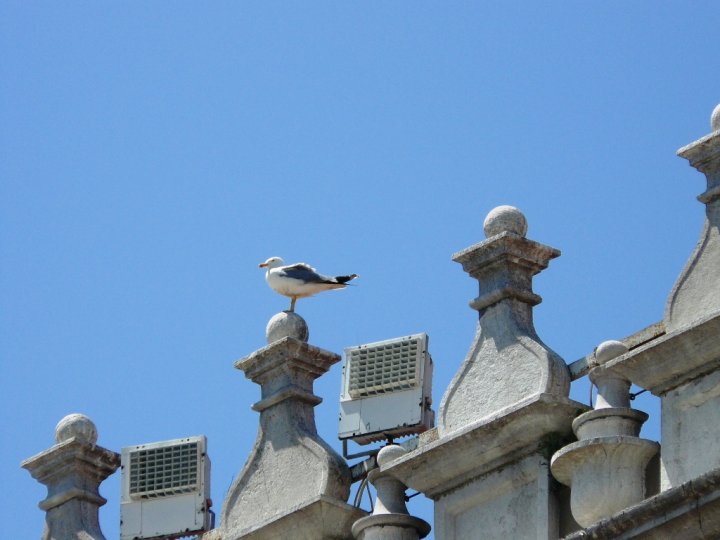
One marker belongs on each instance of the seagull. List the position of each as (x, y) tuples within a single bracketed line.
[(299, 280)]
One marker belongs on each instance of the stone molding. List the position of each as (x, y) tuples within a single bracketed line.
[(391, 527), (319, 518), (537, 424), (674, 358)]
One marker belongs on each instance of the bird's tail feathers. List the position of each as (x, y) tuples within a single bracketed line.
[(345, 279)]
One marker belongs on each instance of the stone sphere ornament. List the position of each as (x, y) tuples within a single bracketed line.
[(608, 350), (715, 119), (390, 453), (78, 426), (505, 219), (287, 324)]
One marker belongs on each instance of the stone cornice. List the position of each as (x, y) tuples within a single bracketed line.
[(505, 247), (70, 457), (287, 352), (703, 154), (674, 358), (485, 445)]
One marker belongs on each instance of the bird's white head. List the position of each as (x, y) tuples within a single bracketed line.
[(272, 262)]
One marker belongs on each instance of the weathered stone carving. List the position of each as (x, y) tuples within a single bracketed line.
[(696, 293), (507, 362), (293, 485), (72, 470)]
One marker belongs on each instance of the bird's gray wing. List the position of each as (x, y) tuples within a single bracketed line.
[(305, 273)]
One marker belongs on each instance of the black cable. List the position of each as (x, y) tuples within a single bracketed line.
[(408, 497), (636, 394)]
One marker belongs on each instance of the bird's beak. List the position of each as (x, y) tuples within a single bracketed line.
[(262, 265)]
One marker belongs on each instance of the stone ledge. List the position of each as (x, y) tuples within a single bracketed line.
[(673, 359), (323, 518), (485, 445), (582, 366), (505, 247), (71, 455), (288, 350), (701, 152), (690, 510)]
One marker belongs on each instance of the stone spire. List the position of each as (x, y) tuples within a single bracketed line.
[(293, 485), (696, 293), (507, 362), (72, 470)]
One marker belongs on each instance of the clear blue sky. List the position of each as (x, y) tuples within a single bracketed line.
[(153, 153)]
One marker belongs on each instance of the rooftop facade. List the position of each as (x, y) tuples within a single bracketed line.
[(512, 456)]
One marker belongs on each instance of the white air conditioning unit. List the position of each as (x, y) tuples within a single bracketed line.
[(165, 489), (386, 390)]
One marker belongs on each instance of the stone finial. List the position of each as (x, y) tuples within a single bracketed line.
[(390, 453), (505, 218), (78, 426), (507, 362), (608, 350), (613, 389), (696, 294), (287, 324), (72, 470), (606, 467), (390, 519), (293, 484)]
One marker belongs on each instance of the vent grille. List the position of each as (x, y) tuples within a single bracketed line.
[(169, 470), (384, 368)]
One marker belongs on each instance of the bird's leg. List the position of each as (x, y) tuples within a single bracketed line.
[(292, 304)]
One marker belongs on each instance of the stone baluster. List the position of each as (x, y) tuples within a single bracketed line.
[(72, 470), (293, 485), (390, 519), (606, 467)]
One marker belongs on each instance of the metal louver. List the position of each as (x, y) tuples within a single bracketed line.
[(168, 470), (165, 489), (385, 367), (386, 389)]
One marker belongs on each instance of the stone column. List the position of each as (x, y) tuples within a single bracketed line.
[(72, 470), (390, 519), (486, 465), (293, 485), (606, 467)]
